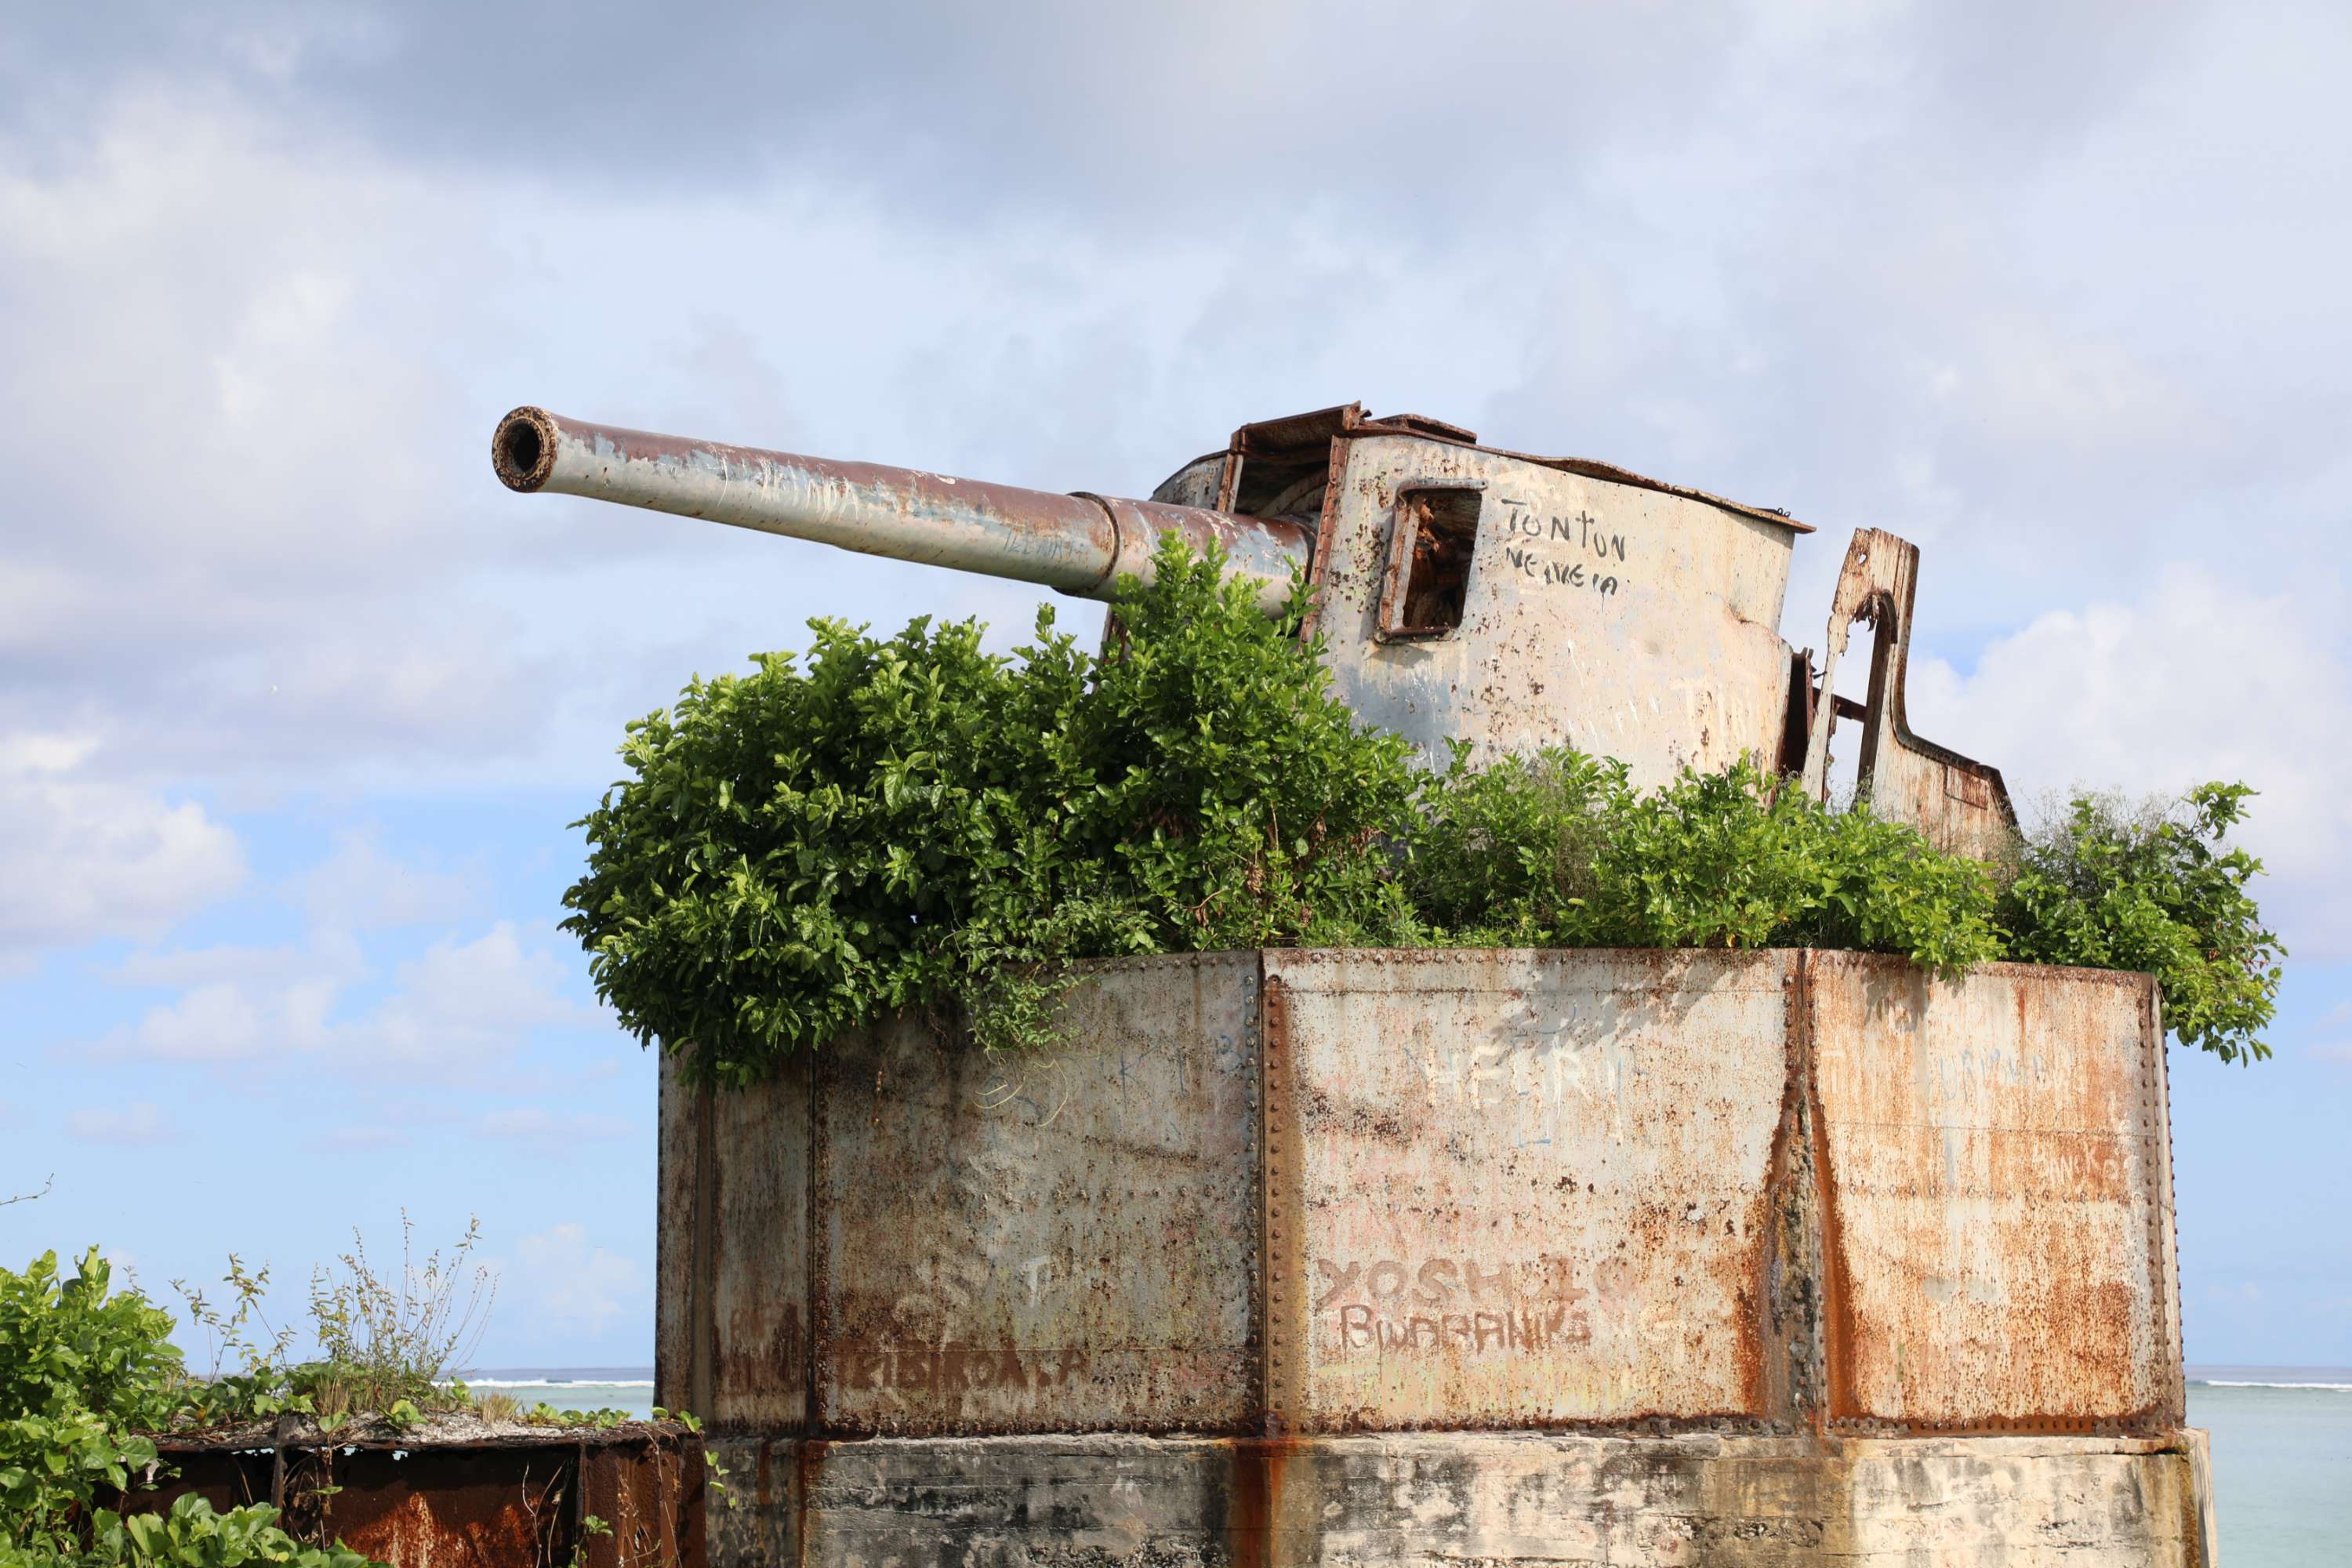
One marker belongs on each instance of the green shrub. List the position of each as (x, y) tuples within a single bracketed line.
[(2155, 890), (915, 823), (1558, 851), (84, 1375)]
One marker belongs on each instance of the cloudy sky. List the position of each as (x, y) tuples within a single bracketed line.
[(295, 702)]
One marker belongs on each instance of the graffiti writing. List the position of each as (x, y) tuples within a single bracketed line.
[(1530, 1330), (956, 1369)]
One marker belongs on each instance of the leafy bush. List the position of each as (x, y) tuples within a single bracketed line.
[(1558, 851), (2108, 887), (84, 1375), (915, 823)]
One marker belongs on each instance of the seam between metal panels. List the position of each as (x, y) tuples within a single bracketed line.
[(1281, 1192), (820, 1269), (2163, 1282), (702, 1306), (1840, 1404), (1255, 1389), (1790, 1319), (809, 1250)]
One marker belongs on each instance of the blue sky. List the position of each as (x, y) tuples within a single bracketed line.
[(297, 702)]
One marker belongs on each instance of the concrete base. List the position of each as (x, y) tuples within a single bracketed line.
[(1462, 1499)]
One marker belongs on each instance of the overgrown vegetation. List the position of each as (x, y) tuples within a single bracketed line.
[(2110, 886), (89, 1378), (914, 822), (385, 1341), (86, 1374)]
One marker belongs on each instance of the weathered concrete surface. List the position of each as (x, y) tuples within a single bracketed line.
[(1464, 1497)]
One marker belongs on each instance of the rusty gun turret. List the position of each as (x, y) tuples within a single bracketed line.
[(1462, 592)]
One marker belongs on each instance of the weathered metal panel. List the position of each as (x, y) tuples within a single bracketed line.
[(1993, 1186), (755, 1194), (1527, 1188), (428, 1501), (1051, 1242), (1627, 622), (651, 1497), (1957, 802), (678, 1266)]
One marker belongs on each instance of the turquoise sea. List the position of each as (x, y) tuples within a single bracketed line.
[(2281, 1448), (2282, 1461)]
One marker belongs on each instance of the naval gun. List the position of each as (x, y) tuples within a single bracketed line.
[(1463, 594)]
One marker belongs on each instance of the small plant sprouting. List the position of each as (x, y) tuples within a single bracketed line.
[(393, 1337)]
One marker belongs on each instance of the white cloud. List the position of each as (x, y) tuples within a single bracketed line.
[(539, 1125), (572, 1286), (359, 887), (455, 1012), (326, 955), (139, 1121), (463, 1003), (2193, 679), (89, 858)]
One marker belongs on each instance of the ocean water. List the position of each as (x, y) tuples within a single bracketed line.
[(2282, 1461), (2281, 1448)]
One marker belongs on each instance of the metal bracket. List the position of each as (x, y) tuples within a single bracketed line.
[(1959, 804)]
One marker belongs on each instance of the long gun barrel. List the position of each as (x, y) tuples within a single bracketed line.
[(1078, 544)]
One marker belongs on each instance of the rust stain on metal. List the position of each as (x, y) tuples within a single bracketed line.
[(422, 1501), (1789, 1381), (1283, 1289), (1055, 1248), (758, 1279), (1957, 802), (1627, 622), (1993, 1166), (680, 1239), (1313, 1192), (1533, 1183)]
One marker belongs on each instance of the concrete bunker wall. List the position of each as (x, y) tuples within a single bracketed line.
[(1755, 1207)]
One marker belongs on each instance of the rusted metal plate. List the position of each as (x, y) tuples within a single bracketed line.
[(1995, 1188), (651, 1497), (678, 1265), (730, 1330), (756, 1198), (421, 1502), (1630, 623), (1957, 802), (1053, 1242), (433, 1509), (1526, 1188)]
